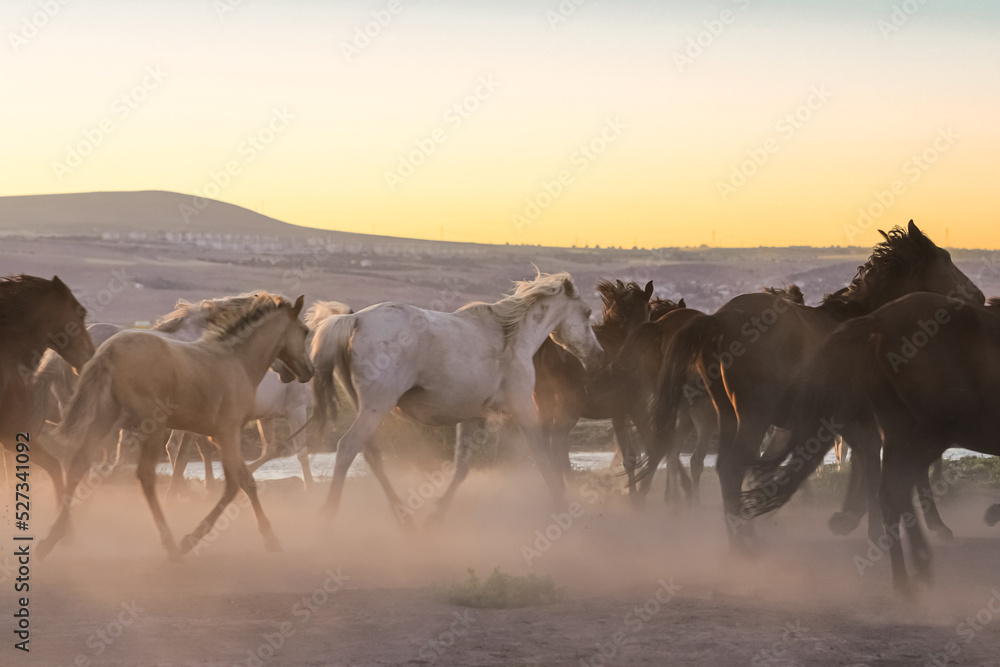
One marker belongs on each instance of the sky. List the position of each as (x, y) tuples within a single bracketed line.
[(556, 122)]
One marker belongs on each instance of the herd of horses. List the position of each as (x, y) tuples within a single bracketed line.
[(900, 364)]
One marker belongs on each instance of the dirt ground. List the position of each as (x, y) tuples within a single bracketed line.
[(641, 588)]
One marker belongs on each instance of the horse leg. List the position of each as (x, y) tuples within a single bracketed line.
[(896, 497), (629, 458), (51, 465), (928, 503), (146, 473), (676, 474), (353, 441), (265, 429), (732, 467), (296, 422), (856, 502), (465, 433), (373, 456), (246, 481), (237, 477), (704, 439), (523, 411), (205, 451), (178, 451), (78, 467)]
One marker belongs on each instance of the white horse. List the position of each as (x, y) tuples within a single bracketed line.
[(446, 368)]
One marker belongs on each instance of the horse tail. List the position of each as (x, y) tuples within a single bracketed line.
[(331, 356), (685, 356), (93, 411), (830, 391)]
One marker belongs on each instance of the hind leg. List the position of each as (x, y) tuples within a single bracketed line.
[(464, 439), (51, 465), (79, 466), (928, 504), (146, 473), (373, 456), (178, 451), (357, 437), (627, 446), (732, 467)]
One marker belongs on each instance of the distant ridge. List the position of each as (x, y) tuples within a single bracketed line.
[(153, 212)]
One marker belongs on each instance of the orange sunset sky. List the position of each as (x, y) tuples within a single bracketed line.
[(614, 123)]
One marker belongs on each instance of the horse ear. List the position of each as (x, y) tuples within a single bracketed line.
[(912, 230), (569, 288), (56, 282), (297, 308), (681, 304), (621, 285), (648, 292)]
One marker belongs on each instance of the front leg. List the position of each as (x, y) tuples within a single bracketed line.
[(522, 409)]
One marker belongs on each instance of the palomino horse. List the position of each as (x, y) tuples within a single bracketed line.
[(748, 353), (928, 367), (563, 391), (447, 368), (142, 381), (35, 315), (278, 397)]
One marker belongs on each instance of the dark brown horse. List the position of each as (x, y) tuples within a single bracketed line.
[(565, 393), (747, 354), (35, 315), (928, 368), (636, 372)]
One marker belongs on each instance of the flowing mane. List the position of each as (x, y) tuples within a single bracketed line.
[(512, 309), (321, 310), (18, 295), (207, 309), (901, 253), (231, 320)]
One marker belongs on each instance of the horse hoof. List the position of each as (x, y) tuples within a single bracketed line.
[(271, 544), (992, 516), (44, 547), (173, 555), (843, 523), (187, 544)]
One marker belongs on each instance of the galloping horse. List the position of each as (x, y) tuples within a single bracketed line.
[(278, 397), (564, 393), (747, 354), (928, 367), (147, 383), (446, 368), (35, 315)]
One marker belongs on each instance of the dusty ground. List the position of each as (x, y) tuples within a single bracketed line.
[(358, 592)]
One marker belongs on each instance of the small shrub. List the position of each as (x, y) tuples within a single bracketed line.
[(500, 591)]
